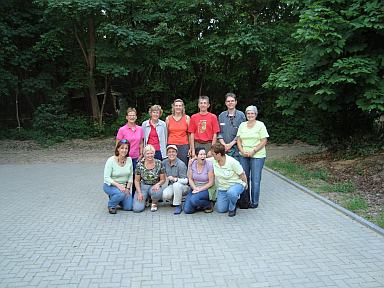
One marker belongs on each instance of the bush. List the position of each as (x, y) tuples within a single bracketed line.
[(51, 125), (287, 129)]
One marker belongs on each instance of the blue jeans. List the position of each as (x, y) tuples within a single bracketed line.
[(134, 164), (146, 190), (197, 201), (252, 168), (117, 197), (226, 199), (158, 155), (182, 153)]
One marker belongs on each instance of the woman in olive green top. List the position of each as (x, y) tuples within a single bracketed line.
[(118, 176), (251, 141)]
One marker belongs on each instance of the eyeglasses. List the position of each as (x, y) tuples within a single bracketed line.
[(124, 141)]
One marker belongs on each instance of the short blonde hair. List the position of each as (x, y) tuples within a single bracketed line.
[(155, 108), (173, 106), (147, 148)]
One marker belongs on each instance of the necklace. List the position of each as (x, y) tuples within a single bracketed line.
[(133, 128), (121, 162), (201, 168)]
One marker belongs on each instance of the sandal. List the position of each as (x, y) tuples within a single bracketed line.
[(153, 207), (209, 209)]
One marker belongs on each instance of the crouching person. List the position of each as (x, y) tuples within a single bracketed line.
[(149, 178), (201, 179), (230, 180), (176, 174)]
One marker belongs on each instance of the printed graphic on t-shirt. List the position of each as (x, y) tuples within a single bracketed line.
[(202, 126)]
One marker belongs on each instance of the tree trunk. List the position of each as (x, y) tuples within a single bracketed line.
[(106, 88), (91, 69), (17, 108)]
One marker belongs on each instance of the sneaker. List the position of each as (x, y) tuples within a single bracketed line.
[(232, 213), (153, 207), (178, 210), (111, 210), (253, 205)]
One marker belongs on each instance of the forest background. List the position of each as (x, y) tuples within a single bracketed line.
[(69, 69)]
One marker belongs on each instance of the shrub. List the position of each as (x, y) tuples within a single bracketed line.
[(52, 125)]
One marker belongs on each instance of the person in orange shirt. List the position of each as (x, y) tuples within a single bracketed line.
[(177, 125)]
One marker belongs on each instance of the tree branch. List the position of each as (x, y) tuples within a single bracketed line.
[(81, 46)]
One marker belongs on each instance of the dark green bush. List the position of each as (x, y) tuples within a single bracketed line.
[(52, 125), (287, 129)]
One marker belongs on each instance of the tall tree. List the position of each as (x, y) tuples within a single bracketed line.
[(340, 66), (25, 78), (79, 19)]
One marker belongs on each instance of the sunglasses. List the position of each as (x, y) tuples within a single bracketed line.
[(124, 141)]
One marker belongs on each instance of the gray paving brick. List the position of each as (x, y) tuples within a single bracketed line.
[(56, 232)]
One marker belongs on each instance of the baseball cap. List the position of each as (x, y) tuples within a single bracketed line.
[(172, 146)]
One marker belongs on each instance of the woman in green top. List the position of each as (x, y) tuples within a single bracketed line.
[(118, 178), (251, 141), (230, 180)]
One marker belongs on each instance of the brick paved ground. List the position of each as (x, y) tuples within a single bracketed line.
[(56, 232)]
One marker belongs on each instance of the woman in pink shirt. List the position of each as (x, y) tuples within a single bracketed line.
[(135, 136)]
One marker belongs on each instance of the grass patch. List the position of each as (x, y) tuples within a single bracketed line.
[(380, 220), (299, 173), (356, 204), (318, 180), (342, 187), (295, 170)]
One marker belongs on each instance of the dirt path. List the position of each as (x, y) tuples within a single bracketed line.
[(97, 150)]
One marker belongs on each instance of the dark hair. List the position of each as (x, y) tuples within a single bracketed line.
[(197, 150), (230, 94), (203, 97), (122, 142), (218, 148)]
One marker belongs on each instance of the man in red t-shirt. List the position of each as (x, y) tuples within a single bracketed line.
[(203, 127)]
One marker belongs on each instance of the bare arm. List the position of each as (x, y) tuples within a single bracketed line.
[(187, 118), (141, 147), (214, 138), (138, 187), (190, 179), (211, 179), (240, 145), (192, 136), (243, 178), (259, 146)]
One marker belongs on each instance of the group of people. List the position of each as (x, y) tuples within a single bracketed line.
[(211, 161)]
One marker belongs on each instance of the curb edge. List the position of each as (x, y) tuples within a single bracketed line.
[(350, 214)]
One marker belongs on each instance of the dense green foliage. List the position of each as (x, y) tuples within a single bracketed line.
[(338, 68), (321, 63)]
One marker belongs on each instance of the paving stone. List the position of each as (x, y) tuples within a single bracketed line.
[(56, 232)]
